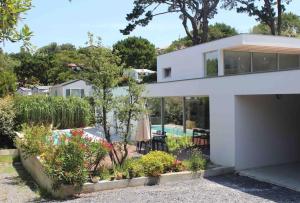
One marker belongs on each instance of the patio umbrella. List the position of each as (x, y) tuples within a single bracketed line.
[(143, 129)]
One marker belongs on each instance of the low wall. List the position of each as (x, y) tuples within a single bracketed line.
[(35, 168), (9, 152)]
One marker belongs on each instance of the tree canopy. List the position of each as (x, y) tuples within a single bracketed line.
[(11, 12), (194, 15), (215, 31), (268, 13), (290, 26), (136, 52)]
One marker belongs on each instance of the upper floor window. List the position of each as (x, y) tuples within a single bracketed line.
[(167, 72), (237, 62), (264, 62), (289, 61), (211, 63)]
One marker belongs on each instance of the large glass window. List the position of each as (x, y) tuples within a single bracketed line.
[(211, 63), (264, 62), (154, 110), (174, 116), (197, 113), (237, 62), (288, 61)]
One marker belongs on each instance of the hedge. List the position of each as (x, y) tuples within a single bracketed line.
[(62, 113)]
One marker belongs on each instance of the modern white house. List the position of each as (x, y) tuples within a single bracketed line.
[(252, 83), (78, 88)]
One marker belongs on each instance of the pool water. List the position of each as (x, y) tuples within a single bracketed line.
[(172, 130)]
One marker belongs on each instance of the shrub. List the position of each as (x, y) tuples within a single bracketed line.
[(35, 140), (197, 162), (135, 168), (178, 143), (7, 116), (65, 163), (157, 162), (71, 112), (178, 166)]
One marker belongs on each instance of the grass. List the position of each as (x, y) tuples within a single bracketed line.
[(8, 159)]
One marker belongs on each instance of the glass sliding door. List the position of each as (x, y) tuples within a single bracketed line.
[(197, 113), (174, 116)]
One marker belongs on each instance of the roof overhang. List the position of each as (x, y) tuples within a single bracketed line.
[(265, 49)]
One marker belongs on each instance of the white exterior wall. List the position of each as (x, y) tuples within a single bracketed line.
[(221, 92), (81, 84), (267, 130), (189, 63)]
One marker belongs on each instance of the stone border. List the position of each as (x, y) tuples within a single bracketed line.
[(9, 152), (35, 169)]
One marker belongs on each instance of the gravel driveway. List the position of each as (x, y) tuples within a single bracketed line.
[(230, 188)]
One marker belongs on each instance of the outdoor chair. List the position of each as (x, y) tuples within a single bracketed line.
[(201, 138)]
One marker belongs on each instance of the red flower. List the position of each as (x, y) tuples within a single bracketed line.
[(77, 132), (108, 146)]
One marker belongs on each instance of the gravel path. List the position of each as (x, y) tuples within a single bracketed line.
[(16, 185), (229, 188)]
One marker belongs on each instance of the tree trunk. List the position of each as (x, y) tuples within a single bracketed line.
[(279, 17), (204, 31)]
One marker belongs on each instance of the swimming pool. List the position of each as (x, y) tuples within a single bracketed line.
[(172, 130)]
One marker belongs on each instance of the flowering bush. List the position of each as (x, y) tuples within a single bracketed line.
[(68, 160)]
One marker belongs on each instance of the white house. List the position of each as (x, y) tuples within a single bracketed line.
[(41, 89), (253, 86), (24, 91), (79, 88), (138, 74)]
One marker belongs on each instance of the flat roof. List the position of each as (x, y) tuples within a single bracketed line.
[(250, 42)]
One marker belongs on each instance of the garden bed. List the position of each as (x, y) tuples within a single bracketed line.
[(35, 168)]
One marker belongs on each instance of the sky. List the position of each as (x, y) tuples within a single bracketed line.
[(62, 21)]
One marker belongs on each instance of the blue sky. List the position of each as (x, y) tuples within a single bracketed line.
[(61, 21)]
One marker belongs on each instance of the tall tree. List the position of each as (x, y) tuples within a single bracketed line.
[(10, 14), (216, 31), (195, 13), (290, 26), (136, 52), (268, 12)]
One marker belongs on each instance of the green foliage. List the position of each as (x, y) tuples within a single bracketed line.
[(136, 52), (178, 143), (197, 162), (65, 163), (268, 12), (35, 140), (71, 112), (157, 162), (215, 31), (194, 15), (135, 168), (8, 82), (7, 116), (10, 14), (68, 160), (290, 26)]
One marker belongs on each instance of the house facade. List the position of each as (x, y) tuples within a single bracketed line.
[(78, 88), (252, 83)]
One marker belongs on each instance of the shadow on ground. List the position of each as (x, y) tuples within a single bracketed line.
[(257, 188)]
